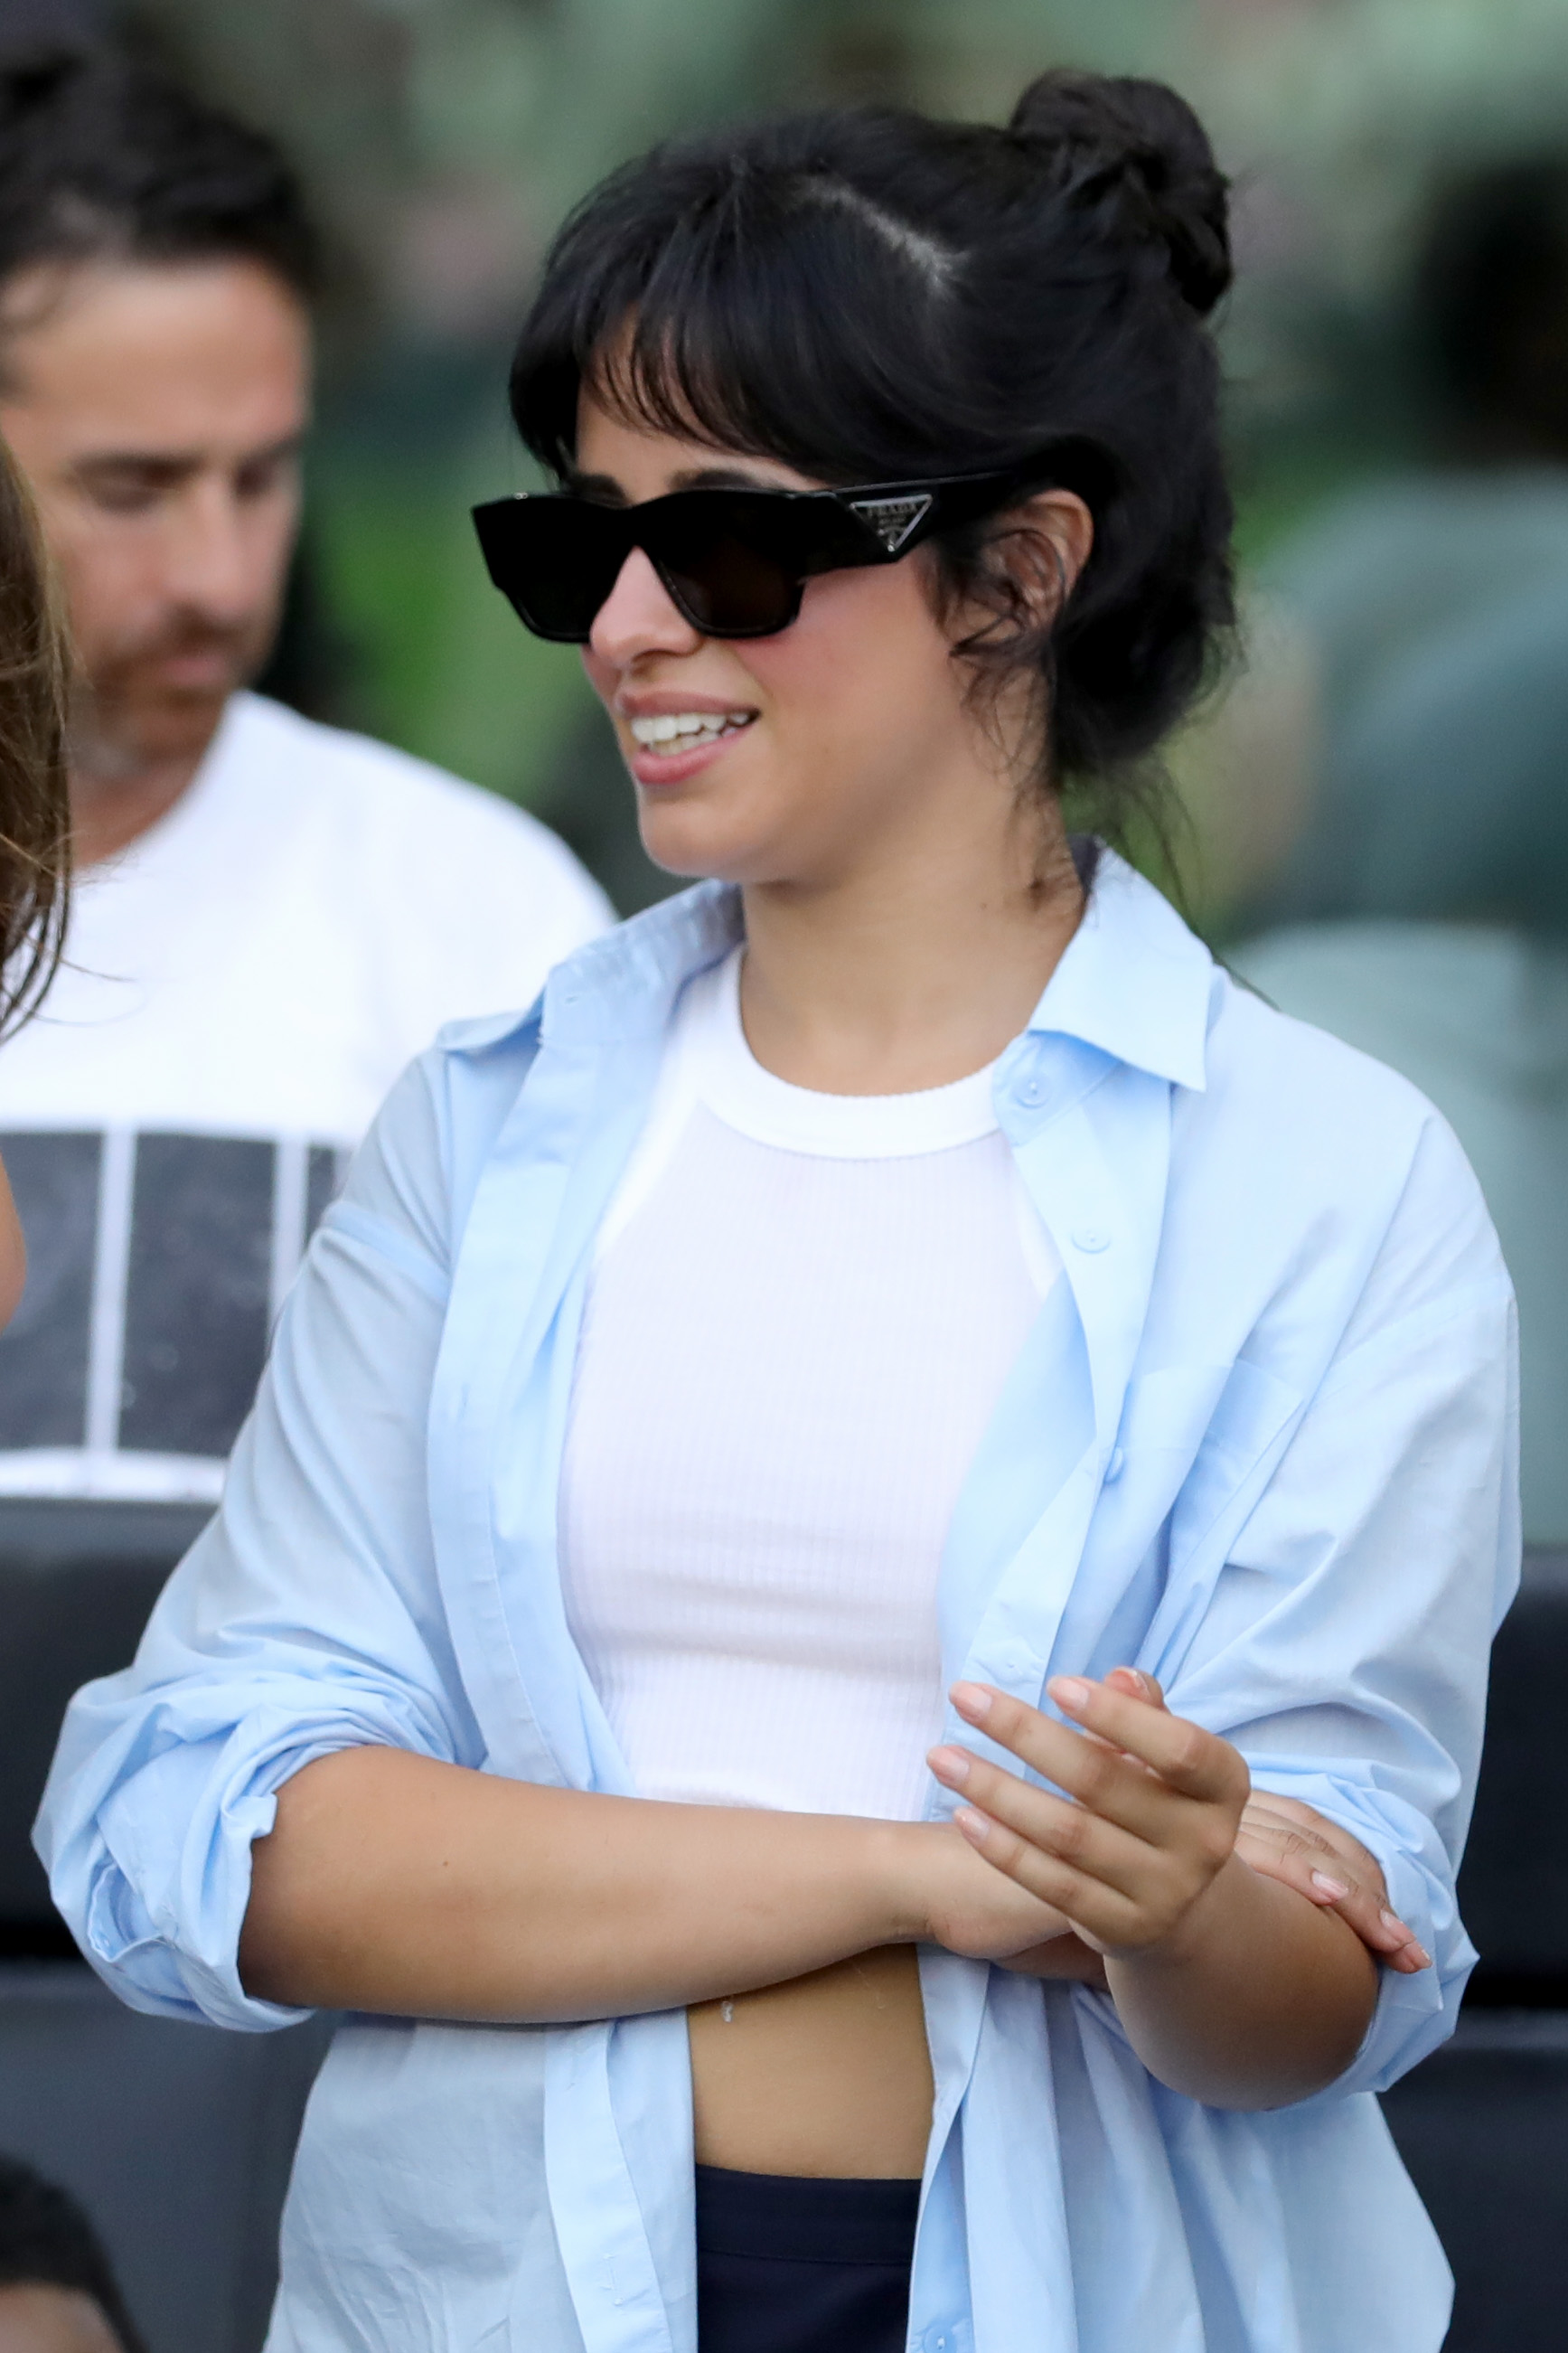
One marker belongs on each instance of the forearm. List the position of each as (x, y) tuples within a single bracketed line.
[(392, 1883), (1259, 2000)]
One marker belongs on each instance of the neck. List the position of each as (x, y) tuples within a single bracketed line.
[(910, 976), (117, 793)]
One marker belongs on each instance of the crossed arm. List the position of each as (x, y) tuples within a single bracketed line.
[(1236, 1938)]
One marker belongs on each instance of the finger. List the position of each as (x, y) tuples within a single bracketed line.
[(1186, 1757), (1340, 1858), (1141, 1687), (1412, 1956), (1196, 1762), (1299, 1860), (1097, 1773), (1361, 1863), (1099, 1913), (1069, 1833)]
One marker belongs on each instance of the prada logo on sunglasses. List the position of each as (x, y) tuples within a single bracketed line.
[(892, 520)]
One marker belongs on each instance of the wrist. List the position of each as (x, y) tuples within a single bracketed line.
[(900, 1879)]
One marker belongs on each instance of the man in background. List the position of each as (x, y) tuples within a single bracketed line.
[(272, 916)]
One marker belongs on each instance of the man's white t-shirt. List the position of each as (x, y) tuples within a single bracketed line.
[(241, 987)]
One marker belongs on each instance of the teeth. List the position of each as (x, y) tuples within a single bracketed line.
[(688, 728)]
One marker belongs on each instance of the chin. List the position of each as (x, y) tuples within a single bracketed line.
[(690, 842), (170, 727)]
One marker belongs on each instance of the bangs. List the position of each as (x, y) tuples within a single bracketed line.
[(756, 319)]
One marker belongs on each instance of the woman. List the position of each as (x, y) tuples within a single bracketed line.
[(902, 1266), (34, 816)]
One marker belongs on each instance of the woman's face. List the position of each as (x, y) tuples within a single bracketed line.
[(843, 731)]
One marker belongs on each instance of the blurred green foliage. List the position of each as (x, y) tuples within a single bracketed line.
[(445, 138)]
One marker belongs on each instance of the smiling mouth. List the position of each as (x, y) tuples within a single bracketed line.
[(688, 731)]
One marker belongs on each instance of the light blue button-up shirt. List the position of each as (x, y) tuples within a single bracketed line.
[(1260, 1442)]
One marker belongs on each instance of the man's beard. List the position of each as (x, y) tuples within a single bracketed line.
[(128, 715)]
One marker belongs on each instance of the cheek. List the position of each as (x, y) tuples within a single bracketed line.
[(866, 657), (271, 543), (601, 675)]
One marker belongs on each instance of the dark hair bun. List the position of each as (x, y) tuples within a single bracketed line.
[(1137, 153)]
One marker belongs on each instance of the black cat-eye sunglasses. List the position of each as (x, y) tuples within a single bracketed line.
[(734, 562)]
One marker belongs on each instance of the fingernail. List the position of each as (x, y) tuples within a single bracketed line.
[(949, 1764), (971, 1699), (1396, 1927), (1423, 1958), (975, 1826), (1069, 1691), (1332, 1888)]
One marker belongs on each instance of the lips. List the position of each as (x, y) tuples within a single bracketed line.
[(681, 730), (669, 746)]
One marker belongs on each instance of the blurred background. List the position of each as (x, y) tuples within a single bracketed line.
[(444, 139), (1376, 835)]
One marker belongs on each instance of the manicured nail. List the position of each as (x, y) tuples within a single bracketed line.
[(1396, 1927), (949, 1764), (975, 1826), (1335, 1890), (1069, 1691), (971, 1699), (1423, 1958)]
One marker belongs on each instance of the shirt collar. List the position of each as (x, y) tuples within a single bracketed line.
[(1133, 981)]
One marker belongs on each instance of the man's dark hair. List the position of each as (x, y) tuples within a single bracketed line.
[(46, 2241), (104, 156)]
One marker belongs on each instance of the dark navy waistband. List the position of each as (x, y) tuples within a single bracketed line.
[(795, 2218)]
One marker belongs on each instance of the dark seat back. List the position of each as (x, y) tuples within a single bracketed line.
[(1513, 1889), (177, 2138), (77, 1582)]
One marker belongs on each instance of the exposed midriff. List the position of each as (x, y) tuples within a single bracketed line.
[(828, 2074)]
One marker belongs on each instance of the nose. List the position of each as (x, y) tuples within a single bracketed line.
[(212, 560), (640, 617)]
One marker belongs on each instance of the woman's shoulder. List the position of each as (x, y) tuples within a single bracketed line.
[(1337, 1153), (1261, 1060)]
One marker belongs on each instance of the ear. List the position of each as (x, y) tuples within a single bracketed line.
[(1045, 543)]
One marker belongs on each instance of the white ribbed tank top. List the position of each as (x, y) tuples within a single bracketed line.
[(801, 1315)]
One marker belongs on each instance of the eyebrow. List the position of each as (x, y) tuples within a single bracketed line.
[(605, 490), (174, 465)]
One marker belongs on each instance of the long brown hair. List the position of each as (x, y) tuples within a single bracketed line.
[(35, 814)]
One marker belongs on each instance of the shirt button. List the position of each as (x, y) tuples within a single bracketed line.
[(1090, 1237), (1030, 1090), (1114, 1467)]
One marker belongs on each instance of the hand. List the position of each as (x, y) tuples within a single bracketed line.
[(1151, 1814), (1295, 1844), (1292, 1842), (950, 1896)]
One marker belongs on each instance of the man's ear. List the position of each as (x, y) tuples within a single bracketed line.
[(1045, 543)]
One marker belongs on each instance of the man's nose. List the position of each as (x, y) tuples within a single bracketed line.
[(212, 561), (640, 617)]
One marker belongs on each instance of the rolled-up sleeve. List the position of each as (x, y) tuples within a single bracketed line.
[(305, 1619), (1345, 1646)]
